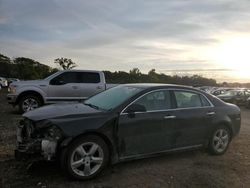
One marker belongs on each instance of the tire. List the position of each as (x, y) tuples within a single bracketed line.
[(85, 158), (29, 102), (220, 140)]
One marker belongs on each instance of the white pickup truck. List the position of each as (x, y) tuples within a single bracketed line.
[(63, 86)]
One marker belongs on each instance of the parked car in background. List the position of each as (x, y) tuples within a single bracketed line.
[(3, 82), (235, 96), (127, 122), (207, 89), (63, 86), (248, 102), (220, 91)]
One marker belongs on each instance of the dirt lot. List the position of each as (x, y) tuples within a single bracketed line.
[(187, 169)]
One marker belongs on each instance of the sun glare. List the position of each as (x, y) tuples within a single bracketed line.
[(234, 54)]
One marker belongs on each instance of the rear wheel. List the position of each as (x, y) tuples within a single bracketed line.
[(29, 102), (85, 158), (219, 140)]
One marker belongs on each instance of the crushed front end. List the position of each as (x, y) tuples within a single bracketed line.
[(37, 140)]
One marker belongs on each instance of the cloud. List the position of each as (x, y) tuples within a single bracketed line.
[(120, 35)]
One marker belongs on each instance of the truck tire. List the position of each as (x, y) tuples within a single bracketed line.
[(29, 102)]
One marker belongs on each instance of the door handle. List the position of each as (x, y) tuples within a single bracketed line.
[(74, 87), (169, 117), (210, 113), (99, 87)]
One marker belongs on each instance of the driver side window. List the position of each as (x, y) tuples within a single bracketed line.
[(158, 100), (64, 78)]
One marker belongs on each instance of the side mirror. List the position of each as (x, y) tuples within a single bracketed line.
[(136, 108)]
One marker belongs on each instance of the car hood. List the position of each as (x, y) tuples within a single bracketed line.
[(59, 110)]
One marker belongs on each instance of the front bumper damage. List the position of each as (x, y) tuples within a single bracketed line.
[(33, 148)]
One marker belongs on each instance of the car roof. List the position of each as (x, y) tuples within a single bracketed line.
[(79, 70), (159, 86)]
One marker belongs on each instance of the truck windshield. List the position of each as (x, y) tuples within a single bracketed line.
[(112, 98), (52, 75)]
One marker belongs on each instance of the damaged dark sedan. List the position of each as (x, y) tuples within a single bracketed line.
[(126, 122)]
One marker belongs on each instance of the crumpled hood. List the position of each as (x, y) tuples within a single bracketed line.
[(59, 110)]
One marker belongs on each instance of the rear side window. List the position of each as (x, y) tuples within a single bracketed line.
[(204, 101), (186, 99), (158, 100), (90, 77)]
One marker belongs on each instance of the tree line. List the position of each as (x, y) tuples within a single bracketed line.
[(135, 76), (26, 69)]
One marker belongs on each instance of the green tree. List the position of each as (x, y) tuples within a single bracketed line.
[(26, 68), (65, 63), (135, 71), (5, 66)]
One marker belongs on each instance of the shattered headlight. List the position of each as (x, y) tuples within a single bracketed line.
[(54, 132)]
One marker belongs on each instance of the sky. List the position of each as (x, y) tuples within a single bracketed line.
[(206, 37)]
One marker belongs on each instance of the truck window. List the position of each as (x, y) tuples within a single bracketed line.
[(65, 78), (76, 77), (90, 77)]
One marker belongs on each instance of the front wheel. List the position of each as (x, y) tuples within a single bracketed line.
[(86, 157), (29, 102), (219, 140)]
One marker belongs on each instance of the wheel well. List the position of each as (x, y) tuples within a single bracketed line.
[(102, 136), (29, 93), (228, 126)]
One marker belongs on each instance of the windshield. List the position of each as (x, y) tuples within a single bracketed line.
[(52, 75), (113, 97)]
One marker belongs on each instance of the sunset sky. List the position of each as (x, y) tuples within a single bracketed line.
[(185, 37)]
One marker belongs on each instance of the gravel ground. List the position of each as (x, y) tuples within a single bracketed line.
[(187, 169)]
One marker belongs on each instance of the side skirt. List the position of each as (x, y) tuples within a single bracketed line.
[(142, 156)]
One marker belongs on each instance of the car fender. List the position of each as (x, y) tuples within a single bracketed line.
[(36, 89)]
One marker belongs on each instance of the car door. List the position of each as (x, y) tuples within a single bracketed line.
[(91, 84), (64, 87), (193, 118), (146, 132)]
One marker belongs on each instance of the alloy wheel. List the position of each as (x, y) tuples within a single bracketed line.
[(87, 159), (29, 104), (220, 140)]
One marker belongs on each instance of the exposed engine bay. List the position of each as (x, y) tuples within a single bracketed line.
[(34, 140)]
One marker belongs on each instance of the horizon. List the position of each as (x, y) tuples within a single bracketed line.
[(180, 37)]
